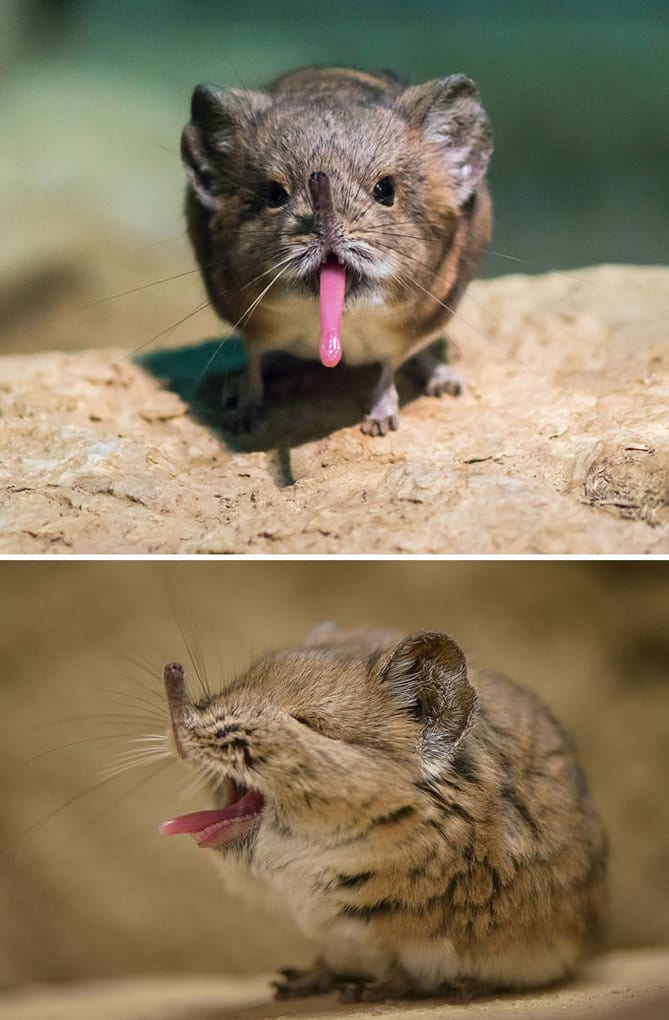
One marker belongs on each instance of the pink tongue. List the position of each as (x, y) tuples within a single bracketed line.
[(332, 288), (219, 825)]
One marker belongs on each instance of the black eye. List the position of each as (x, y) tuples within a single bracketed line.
[(384, 191), (276, 195)]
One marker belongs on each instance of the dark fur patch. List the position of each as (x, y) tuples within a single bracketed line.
[(370, 910), (224, 731), (446, 807), (240, 744), (280, 827), (354, 881), (510, 795), (453, 808), (465, 766), (394, 816)]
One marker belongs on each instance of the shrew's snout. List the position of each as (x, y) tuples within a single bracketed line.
[(243, 807), (325, 216), (177, 702)]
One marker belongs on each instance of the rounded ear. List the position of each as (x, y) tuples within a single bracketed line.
[(427, 675), (216, 116), (451, 116), (199, 168)]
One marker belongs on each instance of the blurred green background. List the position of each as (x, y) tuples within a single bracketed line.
[(93, 96)]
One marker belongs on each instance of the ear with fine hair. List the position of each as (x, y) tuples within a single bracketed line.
[(427, 675), (216, 116), (452, 118)]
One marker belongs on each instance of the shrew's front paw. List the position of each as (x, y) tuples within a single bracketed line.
[(383, 415), (297, 984), (373, 426)]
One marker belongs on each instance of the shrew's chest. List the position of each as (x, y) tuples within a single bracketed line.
[(368, 333), (304, 879)]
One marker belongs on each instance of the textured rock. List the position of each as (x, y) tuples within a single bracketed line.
[(560, 443)]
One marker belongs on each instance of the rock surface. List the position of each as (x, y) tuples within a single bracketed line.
[(560, 443)]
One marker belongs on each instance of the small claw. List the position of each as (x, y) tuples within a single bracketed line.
[(380, 426)]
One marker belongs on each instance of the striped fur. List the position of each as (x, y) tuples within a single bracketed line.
[(485, 864)]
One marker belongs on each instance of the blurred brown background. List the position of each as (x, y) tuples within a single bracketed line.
[(88, 887)]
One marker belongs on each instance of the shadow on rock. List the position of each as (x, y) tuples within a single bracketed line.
[(303, 400)]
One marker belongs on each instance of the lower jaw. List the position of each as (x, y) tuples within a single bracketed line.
[(214, 836), (217, 826)]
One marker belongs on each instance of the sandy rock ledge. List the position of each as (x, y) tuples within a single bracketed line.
[(560, 443), (625, 985)]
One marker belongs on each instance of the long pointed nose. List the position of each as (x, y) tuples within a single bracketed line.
[(177, 701), (321, 196)]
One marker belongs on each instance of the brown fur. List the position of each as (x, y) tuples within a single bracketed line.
[(425, 826), (414, 258)]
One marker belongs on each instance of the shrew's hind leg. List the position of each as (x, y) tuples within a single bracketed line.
[(398, 984), (435, 375)]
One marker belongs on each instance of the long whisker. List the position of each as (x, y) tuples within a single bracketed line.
[(240, 322), (560, 272), (429, 269), (155, 672), (294, 256), (481, 332), (205, 773), (38, 825), (149, 141), (139, 761), (76, 743), (182, 612), (129, 696), (406, 284), (144, 286), (100, 718), (174, 325)]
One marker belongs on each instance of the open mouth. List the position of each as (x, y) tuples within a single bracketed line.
[(220, 825)]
